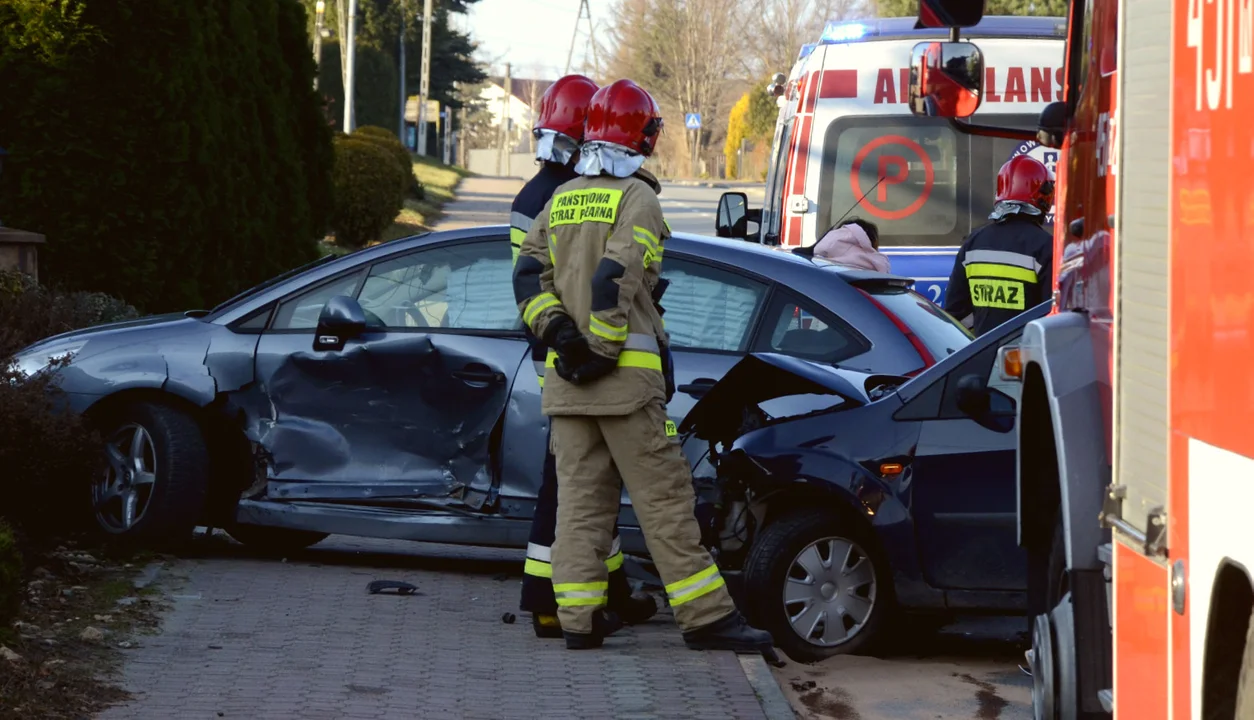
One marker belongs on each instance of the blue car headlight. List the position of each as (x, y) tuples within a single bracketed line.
[(32, 362)]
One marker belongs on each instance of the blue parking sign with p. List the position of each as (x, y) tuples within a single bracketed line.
[(692, 121)]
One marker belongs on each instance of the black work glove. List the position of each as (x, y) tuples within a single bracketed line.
[(564, 337), (594, 368)]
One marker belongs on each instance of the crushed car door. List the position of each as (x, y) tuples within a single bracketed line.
[(963, 488), (408, 409)]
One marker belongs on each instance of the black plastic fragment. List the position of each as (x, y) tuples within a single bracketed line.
[(509, 618), (401, 588)]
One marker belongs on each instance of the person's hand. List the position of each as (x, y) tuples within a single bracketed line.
[(564, 336), (594, 368)]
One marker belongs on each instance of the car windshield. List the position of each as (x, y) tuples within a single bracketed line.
[(920, 181), (939, 332)]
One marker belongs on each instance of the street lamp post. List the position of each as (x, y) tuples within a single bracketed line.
[(350, 83), (319, 10)]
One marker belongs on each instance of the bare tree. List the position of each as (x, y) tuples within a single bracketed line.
[(683, 52), (786, 25)]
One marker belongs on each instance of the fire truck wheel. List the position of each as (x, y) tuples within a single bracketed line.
[(1245, 686), (818, 583)]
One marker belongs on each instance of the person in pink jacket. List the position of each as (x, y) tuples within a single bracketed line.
[(854, 242)]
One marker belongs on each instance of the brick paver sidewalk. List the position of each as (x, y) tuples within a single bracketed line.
[(249, 637)]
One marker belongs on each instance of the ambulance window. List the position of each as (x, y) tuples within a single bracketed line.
[(910, 176)]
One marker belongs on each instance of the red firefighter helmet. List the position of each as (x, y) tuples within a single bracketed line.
[(1026, 179), (564, 106), (624, 114)]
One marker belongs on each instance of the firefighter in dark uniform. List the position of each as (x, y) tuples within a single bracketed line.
[(558, 130), (1006, 266)]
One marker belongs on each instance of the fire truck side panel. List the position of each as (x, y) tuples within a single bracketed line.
[(1212, 339), (1140, 597), (1140, 460)]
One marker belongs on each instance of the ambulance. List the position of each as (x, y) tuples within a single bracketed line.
[(847, 145)]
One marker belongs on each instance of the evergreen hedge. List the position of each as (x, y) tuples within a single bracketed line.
[(180, 156), (368, 191), (386, 139)]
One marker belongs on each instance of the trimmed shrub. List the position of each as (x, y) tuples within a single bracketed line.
[(386, 139), (176, 157), (10, 575), (30, 312), (367, 199)]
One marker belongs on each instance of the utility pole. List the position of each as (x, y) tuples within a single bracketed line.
[(504, 130), (319, 10), (424, 85), (461, 136), (448, 135), (584, 12), (350, 83), (400, 53)]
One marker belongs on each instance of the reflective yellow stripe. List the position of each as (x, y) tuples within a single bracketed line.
[(1001, 272), (638, 359), (573, 594), (540, 380), (588, 205), (639, 231), (602, 329), (652, 248), (694, 586), (553, 248), (614, 562), (575, 601), (626, 358), (516, 237), (538, 568), (580, 587), (668, 226), (538, 304)]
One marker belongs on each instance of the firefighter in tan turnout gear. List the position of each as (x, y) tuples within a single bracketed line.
[(584, 282)]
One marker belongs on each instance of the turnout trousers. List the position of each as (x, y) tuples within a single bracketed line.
[(537, 585), (643, 447)]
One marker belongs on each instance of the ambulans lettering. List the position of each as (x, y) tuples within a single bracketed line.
[(1008, 85), (1000, 294), (1232, 53), (580, 206)]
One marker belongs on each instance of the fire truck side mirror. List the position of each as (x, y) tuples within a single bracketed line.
[(950, 13), (1052, 126), (946, 79), (733, 216)]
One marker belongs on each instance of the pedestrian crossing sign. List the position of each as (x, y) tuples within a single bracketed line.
[(692, 121)]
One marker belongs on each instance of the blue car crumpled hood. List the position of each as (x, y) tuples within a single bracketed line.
[(760, 377)]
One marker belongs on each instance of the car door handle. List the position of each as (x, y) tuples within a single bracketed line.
[(697, 388), (476, 373)]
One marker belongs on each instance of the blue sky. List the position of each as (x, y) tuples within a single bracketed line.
[(533, 35)]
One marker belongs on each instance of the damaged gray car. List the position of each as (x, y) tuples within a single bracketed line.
[(389, 393)]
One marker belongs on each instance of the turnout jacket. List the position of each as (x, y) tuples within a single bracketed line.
[(1001, 270), (595, 254), (529, 203)]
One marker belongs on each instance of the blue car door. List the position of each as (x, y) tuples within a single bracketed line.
[(409, 409), (963, 486)]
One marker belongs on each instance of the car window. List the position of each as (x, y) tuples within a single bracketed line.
[(301, 312), (460, 287), (796, 328), (708, 308), (939, 332)]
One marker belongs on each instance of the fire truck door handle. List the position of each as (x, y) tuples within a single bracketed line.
[(1076, 227)]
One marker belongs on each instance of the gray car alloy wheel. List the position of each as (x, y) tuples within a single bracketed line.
[(829, 591), (122, 493)]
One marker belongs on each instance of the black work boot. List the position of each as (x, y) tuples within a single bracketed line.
[(546, 626), (604, 624), (730, 633), (635, 609)]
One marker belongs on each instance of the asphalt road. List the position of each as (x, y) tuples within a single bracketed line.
[(691, 209)]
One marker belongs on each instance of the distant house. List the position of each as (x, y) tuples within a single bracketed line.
[(524, 100)]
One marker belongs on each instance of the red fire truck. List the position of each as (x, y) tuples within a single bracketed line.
[(1136, 418)]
